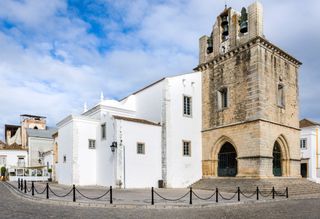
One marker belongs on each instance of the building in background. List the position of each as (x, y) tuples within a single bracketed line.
[(150, 138), (309, 146), (26, 145), (14, 158)]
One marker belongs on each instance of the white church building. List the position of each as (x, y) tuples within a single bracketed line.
[(309, 146), (150, 138)]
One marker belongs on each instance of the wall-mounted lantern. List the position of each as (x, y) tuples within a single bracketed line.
[(113, 146)]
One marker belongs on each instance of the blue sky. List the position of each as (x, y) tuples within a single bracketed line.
[(57, 54)]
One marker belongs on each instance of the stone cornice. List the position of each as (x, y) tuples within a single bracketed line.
[(250, 121), (245, 46)]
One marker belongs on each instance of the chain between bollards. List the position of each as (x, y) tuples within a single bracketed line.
[(111, 199), (190, 201), (152, 196)]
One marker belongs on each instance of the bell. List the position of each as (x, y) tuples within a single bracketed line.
[(209, 49), (224, 20), (225, 31), (244, 27)]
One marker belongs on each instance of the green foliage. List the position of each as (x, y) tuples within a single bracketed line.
[(49, 170), (3, 171)]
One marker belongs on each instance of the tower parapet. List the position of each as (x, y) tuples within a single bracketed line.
[(232, 29)]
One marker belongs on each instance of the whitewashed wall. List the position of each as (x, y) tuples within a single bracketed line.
[(48, 159), (65, 143), (84, 158), (105, 158), (35, 145), (309, 133), (149, 102), (182, 170), (139, 170)]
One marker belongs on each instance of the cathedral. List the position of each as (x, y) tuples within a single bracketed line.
[(250, 100)]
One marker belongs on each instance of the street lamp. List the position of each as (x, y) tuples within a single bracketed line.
[(113, 146)]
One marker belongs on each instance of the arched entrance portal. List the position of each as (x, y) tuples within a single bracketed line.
[(227, 164), (277, 170)]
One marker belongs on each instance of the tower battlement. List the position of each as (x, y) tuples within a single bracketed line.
[(230, 30)]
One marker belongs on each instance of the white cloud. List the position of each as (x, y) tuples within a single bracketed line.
[(50, 62)]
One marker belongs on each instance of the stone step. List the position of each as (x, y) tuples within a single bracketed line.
[(296, 186)]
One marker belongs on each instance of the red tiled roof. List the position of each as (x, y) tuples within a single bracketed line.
[(307, 123), (136, 120)]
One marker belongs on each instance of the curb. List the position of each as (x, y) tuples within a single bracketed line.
[(22, 196)]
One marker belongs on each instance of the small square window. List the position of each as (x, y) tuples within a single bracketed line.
[(187, 106), (92, 144), (140, 148), (186, 148), (303, 143), (103, 131)]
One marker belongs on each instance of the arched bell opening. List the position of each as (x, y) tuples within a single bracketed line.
[(227, 161)]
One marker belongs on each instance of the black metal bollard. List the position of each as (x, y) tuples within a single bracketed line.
[(32, 188), (47, 190), (190, 201), (257, 193), (25, 186), (18, 183), (238, 194), (217, 195), (287, 192), (111, 201), (74, 193), (152, 196), (272, 192), (21, 185)]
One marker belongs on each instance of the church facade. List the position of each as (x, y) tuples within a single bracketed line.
[(250, 100)]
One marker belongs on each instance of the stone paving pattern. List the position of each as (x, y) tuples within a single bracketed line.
[(13, 207)]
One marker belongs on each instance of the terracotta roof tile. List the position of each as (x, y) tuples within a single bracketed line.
[(143, 121), (307, 123)]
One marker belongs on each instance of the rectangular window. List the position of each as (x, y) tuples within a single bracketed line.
[(280, 97), (187, 101), (64, 158), (103, 131), (223, 98), (140, 148), (303, 143), (92, 144), (186, 148), (3, 160), (21, 162)]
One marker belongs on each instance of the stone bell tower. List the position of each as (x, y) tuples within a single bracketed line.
[(250, 100)]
